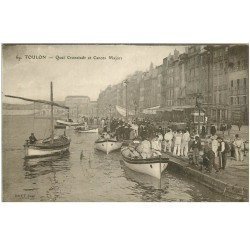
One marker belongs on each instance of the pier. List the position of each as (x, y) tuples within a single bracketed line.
[(232, 182)]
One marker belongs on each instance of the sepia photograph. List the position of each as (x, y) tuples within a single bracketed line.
[(125, 122)]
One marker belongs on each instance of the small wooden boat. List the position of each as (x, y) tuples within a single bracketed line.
[(50, 146), (82, 129), (67, 123), (46, 147), (152, 166), (107, 145)]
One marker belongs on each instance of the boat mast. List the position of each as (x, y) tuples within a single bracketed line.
[(52, 115), (68, 114)]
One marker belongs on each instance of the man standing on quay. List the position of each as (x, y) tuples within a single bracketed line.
[(239, 148), (184, 143), (222, 152), (177, 143)]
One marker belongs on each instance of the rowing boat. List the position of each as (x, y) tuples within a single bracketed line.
[(67, 123), (107, 145), (152, 166), (83, 130)]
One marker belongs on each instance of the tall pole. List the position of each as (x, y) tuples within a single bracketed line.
[(110, 116), (52, 113), (199, 124), (126, 102)]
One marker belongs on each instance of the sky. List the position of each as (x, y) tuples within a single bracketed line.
[(28, 77)]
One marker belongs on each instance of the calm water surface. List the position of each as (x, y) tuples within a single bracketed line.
[(95, 177)]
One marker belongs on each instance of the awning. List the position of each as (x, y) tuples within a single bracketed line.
[(176, 108), (122, 111), (151, 110)]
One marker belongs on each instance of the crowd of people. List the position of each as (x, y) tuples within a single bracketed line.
[(205, 150)]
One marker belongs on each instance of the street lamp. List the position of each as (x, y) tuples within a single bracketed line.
[(199, 100), (136, 106), (125, 83), (110, 109)]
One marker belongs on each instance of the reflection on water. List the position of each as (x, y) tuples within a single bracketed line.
[(85, 174), (150, 188), (41, 166), (143, 180)]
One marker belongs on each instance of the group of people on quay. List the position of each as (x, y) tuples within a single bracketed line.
[(206, 149)]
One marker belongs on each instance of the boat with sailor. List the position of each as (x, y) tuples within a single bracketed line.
[(53, 145)]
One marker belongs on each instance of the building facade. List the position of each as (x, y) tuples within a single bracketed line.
[(238, 83), (78, 105), (217, 73)]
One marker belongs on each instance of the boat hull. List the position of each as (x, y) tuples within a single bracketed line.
[(61, 122), (153, 166), (46, 147), (34, 152), (87, 131), (108, 146)]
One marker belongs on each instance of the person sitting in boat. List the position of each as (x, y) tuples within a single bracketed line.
[(32, 138), (105, 135), (86, 127), (145, 149), (105, 129), (156, 146)]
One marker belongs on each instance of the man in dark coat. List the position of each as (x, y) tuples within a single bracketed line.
[(196, 146), (32, 138), (208, 158), (213, 129), (222, 152)]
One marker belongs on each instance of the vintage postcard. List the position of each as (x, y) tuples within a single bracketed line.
[(125, 122)]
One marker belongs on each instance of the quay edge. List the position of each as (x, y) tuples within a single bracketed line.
[(228, 190)]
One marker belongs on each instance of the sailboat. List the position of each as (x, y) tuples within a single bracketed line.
[(49, 146)]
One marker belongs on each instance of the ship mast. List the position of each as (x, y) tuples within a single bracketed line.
[(51, 103), (52, 113)]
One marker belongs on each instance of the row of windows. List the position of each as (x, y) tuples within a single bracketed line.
[(237, 83), (238, 100)]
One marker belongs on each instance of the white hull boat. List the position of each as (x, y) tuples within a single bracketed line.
[(108, 145), (61, 122), (151, 166)]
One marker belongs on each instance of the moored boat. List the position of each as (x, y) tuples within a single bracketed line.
[(49, 146), (46, 147), (152, 166), (60, 126), (67, 123), (107, 145), (83, 130)]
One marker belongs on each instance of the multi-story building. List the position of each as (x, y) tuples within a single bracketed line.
[(238, 82), (78, 105), (217, 73), (219, 84), (93, 111)]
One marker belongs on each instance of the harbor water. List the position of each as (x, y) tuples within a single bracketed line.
[(93, 177)]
